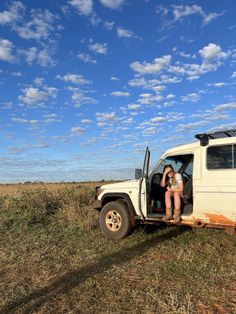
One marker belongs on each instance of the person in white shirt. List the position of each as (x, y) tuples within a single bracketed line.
[(173, 182)]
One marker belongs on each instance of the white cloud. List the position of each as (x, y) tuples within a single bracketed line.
[(218, 84), (40, 57), (184, 55), (25, 121), (234, 74), (112, 4), (191, 125), (73, 78), (149, 99), (124, 33), (6, 106), (151, 68), (150, 131), (114, 78), (109, 25), (33, 96), (212, 56), (85, 7), (77, 130), (39, 81), (134, 106), (6, 47), (180, 12), (227, 106), (101, 124), (105, 117), (51, 118), (79, 99), (86, 121), (170, 80), (17, 74), (120, 94), (210, 17), (157, 120), (41, 26), (95, 20), (170, 96), (158, 88), (98, 48), (212, 52), (194, 71), (127, 120), (51, 115), (138, 82), (192, 97), (44, 58), (14, 13), (86, 58), (30, 54)]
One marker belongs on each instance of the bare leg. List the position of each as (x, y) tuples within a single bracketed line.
[(168, 199), (168, 215), (177, 200)]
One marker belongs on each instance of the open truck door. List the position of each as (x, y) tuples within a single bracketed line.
[(143, 187)]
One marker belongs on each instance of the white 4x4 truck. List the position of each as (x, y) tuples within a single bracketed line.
[(208, 169)]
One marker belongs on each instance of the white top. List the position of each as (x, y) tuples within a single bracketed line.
[(178, 179)]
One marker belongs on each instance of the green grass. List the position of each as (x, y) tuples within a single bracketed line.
[(54, 259)]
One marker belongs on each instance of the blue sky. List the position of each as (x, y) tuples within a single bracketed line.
[(86, 85)]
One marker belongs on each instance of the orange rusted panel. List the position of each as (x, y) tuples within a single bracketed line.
[(219, 219)]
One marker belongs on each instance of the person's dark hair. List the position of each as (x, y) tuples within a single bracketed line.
[(168, 166)]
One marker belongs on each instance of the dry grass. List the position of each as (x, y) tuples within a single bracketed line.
[(18, 188), (54, 259)]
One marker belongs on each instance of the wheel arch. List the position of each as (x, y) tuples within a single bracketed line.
[(123, 197)]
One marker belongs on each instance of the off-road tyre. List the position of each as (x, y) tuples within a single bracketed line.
[(115, 220)]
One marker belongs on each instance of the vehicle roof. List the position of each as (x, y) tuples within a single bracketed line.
[(196, 144)]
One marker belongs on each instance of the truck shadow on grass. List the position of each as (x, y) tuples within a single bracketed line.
[(70, 280)]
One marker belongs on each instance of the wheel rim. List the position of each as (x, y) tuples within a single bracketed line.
[(113, 220)]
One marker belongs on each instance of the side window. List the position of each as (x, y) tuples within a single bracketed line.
[(234, 148), (189, 169), (220, 157)]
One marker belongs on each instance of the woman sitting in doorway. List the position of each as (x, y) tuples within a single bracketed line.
[(174, 183)]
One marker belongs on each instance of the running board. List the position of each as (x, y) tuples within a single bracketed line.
[(171, 222)]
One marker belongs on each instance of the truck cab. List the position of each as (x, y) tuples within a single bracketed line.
[(208, 170)]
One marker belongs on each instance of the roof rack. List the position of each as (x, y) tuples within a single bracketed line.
[(204, 137)]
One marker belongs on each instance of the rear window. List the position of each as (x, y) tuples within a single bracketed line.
[(221, 157)]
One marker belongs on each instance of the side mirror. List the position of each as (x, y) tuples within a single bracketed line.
[(138, 173)]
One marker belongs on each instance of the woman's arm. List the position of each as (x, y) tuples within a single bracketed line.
[(163, 180)]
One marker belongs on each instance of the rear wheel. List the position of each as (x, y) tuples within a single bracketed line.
[(115, 220)]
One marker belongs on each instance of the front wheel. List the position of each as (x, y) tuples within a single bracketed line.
[(115, 221)]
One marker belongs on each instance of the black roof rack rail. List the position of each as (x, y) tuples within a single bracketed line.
[(204, 137)]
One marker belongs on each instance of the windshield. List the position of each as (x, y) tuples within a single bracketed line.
[(176, 164), (179, 163)]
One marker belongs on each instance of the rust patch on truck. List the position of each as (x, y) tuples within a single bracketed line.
[(217, 218)]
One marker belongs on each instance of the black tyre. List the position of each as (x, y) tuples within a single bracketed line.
[(115, 221)]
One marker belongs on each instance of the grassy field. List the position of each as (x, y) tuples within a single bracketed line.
[(54, 259)]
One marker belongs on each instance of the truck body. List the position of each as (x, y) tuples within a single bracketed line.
[(208, 169)]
